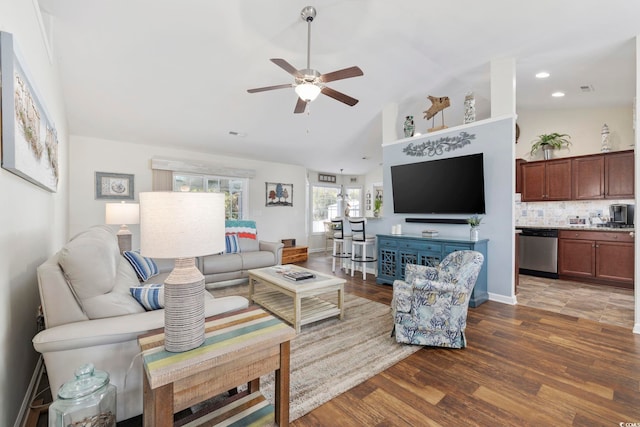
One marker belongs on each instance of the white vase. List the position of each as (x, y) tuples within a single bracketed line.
[(474, 234)]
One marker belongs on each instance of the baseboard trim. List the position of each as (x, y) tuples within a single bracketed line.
[(636, 328), (503, 299), (32, 390)]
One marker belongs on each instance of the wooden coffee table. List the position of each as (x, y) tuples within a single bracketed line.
[(297, 303)]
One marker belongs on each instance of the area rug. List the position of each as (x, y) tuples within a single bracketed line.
[(331, 356)]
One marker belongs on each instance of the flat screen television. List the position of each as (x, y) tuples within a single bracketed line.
[(445, 186)]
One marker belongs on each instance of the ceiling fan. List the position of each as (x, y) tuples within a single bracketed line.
[(309, 83)]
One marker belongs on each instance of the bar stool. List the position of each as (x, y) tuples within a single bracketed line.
[(360, 243), (341, 243)]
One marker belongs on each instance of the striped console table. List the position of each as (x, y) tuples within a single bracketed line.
[(239, 347)]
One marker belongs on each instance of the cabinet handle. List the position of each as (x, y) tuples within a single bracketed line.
[(577, 234), (597, 246), (631, 233)]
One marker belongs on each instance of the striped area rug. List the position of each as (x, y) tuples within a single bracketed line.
[(331, 356)]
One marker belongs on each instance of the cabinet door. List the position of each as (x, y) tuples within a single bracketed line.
[(533, 187), (619, 176), (431, 259), (614, 261), (558, 179), (576, 257), (519, 163), (387, 264), (588, 178), (406, 257)]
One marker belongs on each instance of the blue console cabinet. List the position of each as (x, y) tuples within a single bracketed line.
[(395, 251)]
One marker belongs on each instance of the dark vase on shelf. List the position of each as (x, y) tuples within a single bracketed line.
[(408, 126)]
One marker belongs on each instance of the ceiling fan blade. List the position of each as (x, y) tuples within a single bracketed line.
[(287, 67), (341, 74), (301, 105), (263, 89), (339, 96)]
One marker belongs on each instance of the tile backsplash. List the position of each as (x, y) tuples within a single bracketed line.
[(558, 213)]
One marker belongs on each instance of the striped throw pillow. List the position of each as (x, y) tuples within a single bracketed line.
[(232, 244), (145, 267), (150, 296)]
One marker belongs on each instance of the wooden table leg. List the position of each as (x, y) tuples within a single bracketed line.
[(158, 405), (297, 312), (253, 385), (282, 386), (251, 288)]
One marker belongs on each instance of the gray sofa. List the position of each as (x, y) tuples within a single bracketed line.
[(90, 315), (232, 268)]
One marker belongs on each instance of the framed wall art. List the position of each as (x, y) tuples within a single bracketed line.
[(114, 186), (279, 194), (323, 177), (29, 138)]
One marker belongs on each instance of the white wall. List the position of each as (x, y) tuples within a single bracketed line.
[(582, 125), (33, 221), (88, 155), (492, 138)]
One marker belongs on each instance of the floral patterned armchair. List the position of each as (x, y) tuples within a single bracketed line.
[(430, 306)]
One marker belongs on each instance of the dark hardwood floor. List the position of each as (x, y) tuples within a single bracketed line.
[(523, 366)]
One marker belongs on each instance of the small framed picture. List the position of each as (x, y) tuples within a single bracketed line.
[(114, 186), (279, 194)]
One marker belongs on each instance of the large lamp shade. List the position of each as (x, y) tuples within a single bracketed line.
[(182, 226)]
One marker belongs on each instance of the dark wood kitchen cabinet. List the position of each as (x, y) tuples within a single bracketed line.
[(588, 178), (603, 176), (619, 175), (603, 257), (546, 180)]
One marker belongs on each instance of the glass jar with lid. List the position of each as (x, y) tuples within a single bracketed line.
[(89, 400)]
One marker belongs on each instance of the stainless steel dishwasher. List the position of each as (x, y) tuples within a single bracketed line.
[(539, 252)]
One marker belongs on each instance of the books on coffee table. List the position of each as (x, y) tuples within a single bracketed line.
[(298, 275)]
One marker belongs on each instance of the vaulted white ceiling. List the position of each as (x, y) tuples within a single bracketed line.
[(176, 73)]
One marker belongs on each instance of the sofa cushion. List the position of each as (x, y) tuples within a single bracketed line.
[(145, 267), (150, 296), (248, 245), (257, 259), (232, 244), (223, 263), (98, 275)]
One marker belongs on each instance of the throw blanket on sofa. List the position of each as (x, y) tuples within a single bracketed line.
[(243, 228)]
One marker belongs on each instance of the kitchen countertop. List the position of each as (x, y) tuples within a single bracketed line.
[(577, 227)]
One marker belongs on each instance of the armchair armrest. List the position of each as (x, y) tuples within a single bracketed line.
[(402, 295), (275, 247)]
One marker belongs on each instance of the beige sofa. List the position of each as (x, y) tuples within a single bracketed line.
[(90, 315), (232, 268)]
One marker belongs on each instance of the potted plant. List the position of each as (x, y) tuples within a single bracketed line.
[(474, 221), (548, 142), (377, 205)]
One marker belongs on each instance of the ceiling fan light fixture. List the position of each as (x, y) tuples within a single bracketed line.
[(307, 91)]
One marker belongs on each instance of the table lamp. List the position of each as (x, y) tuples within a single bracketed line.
[(182, 226), (123, 214)]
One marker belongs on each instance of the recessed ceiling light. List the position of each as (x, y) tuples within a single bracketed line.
[(542, 75), (557, 94)]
